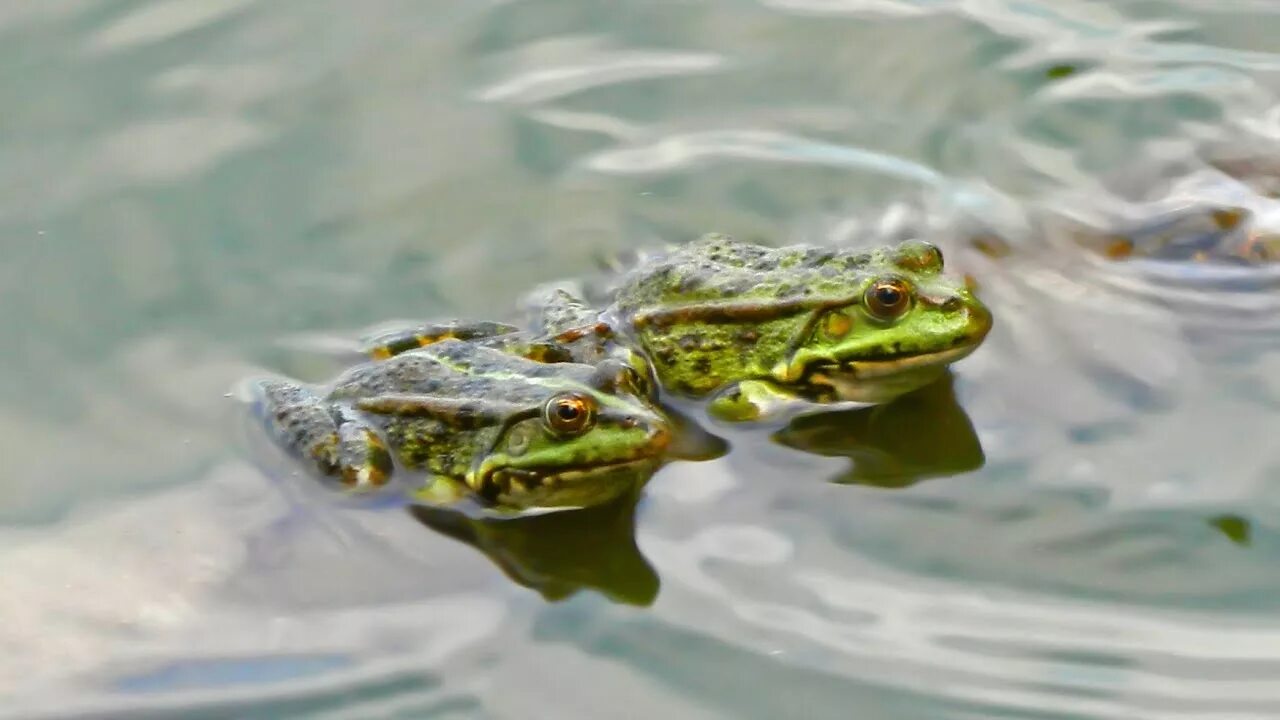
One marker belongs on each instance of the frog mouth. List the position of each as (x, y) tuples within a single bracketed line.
[(513, 482), (892, 363), (888, 363)]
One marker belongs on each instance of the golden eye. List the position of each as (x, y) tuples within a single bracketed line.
[(837, 324), (570, 414), (888, 298)]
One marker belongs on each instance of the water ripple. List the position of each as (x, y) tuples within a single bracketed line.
[(160, 21), (547, 83), (679, 151), (1006, 652)]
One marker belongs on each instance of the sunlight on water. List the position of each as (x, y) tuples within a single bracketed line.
[(1078, 523)]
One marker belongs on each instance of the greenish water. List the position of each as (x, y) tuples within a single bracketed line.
[(1081, 525)]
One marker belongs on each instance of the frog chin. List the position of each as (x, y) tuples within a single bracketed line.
[(882, 379), (581, 486)]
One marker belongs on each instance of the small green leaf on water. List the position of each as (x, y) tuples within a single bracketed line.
[(1237, 529), (1057, 72)]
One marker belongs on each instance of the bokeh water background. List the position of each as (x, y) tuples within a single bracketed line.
[(1082, 525)]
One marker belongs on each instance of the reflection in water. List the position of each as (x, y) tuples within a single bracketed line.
[(197, 177), (922, 435), (690, 440), (1236, 528), (560, 553)]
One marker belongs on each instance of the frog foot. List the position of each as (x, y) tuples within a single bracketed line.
[(338, 443), (751, 400)]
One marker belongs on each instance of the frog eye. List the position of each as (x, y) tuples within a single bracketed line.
[(887, 298), (569, 414)]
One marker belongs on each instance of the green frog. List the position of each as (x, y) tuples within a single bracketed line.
[(754, 328), (481, 422), (751, 328)]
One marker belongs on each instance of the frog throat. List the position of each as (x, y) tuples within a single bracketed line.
[(493, 483), (494, 474)]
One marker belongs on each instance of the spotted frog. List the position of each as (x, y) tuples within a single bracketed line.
[(753, 327), (480, 422)]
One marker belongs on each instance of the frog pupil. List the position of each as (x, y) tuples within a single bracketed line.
[(567, 411), (888, 295)]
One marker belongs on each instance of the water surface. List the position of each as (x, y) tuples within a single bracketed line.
[(1079, 525)]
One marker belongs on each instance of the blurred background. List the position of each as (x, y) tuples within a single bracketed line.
[(1080, 524)]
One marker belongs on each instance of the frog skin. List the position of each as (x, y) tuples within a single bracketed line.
[(480, 422), (752, 328), (559, 327), (755, 328)]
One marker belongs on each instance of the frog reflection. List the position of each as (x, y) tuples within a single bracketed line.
[(921, 435), (559, 554)]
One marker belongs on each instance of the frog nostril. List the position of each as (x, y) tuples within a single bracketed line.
[(630, 421), (951, 305)]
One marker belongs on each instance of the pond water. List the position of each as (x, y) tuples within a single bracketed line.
[(1080, 523)]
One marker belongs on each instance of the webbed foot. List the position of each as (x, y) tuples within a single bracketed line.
[(336, 440), (749, 400), (761, 400)]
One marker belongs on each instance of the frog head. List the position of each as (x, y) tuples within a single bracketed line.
[(899, 329), (582, 444)]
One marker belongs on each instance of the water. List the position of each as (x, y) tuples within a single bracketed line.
[(1080, 525)]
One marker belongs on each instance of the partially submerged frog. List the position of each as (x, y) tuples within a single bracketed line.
[(480, 422), (754, 328)]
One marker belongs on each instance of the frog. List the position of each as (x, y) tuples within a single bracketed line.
[(755, 329), (752, 329), (510, 433)]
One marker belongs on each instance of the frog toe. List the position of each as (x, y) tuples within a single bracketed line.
[(337, 443), (363, 461), (750, 401)]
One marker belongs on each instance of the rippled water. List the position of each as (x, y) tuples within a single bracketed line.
[(1080, 525)]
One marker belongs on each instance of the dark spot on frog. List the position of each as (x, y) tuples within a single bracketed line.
[(816, 256), (466, 415), (665, 354), (689, 343), (691, 282), (747, 337), (702, 365)]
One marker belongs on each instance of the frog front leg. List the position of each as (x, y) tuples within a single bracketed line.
[(498, 336), (749, 400), (399, 341), (334, 438)]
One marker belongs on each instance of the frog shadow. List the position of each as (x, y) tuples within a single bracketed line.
[(923, 435), (560, 553)]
